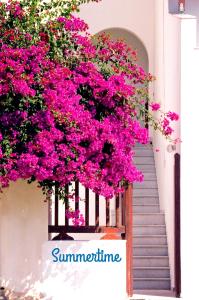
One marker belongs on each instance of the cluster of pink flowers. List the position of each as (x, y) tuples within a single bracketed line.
[(155, 106), (66, 119), (79, 128), (165, 119), (76, 216), (73, 24), (173, 116)]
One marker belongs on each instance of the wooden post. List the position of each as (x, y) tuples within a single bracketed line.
[(129, 239), (56, 206), (96, 210), (87, 207), (177, 226)]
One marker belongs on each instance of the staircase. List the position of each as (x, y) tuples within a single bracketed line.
[(150, 251)]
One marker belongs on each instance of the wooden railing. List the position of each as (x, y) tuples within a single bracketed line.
[(117, 225)]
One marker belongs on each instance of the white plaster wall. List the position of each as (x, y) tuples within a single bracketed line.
[(190, 158), (84, 280), (136, 16), (176, 68), (167, 91), (23, 230), (192, 8), (173, 6)]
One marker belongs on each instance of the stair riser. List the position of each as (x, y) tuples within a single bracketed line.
[(149, 176), (146, 209), (149, 230), (149, 184), (145, 193), (150, 241), (151, 262), (148, 219), (146, 168), (143, 160), (150, 251), (143, 153), (143, 146), (151, 273), (151, 285), (145, 200)]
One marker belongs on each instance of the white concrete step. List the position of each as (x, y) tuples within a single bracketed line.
[(149, 229), (150, 250), (150, 261), (148, 160), (149, 176), (146, 168), (146, 184), (145, 192), (142, 146), (151, 284), (146, 208), (145, 200), (148, 219), (166, 294), (150, 240), (143, 152), (151, 272)]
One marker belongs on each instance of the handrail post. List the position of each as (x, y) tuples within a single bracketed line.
[(177, 225), (129, 239)]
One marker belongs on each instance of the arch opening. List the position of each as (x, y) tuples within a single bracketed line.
[(131, 40)]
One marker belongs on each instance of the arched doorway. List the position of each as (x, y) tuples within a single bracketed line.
[(135, 43)]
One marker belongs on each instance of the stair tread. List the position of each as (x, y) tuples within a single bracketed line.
[(146, 197), (149, 175), (149, 235), (142, 182), (150, 213), (145, 164), (153, 278), (146, 204), (151, 268), (150, 256), (151, 246), (149, 225), (145, 188), (146, 210)]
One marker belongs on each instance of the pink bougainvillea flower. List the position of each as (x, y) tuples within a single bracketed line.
[(155, 106), (173, 116)]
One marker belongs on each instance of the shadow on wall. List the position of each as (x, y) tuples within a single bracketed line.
[(74, 269), (23, 230), (173, 6), (191, 8)]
